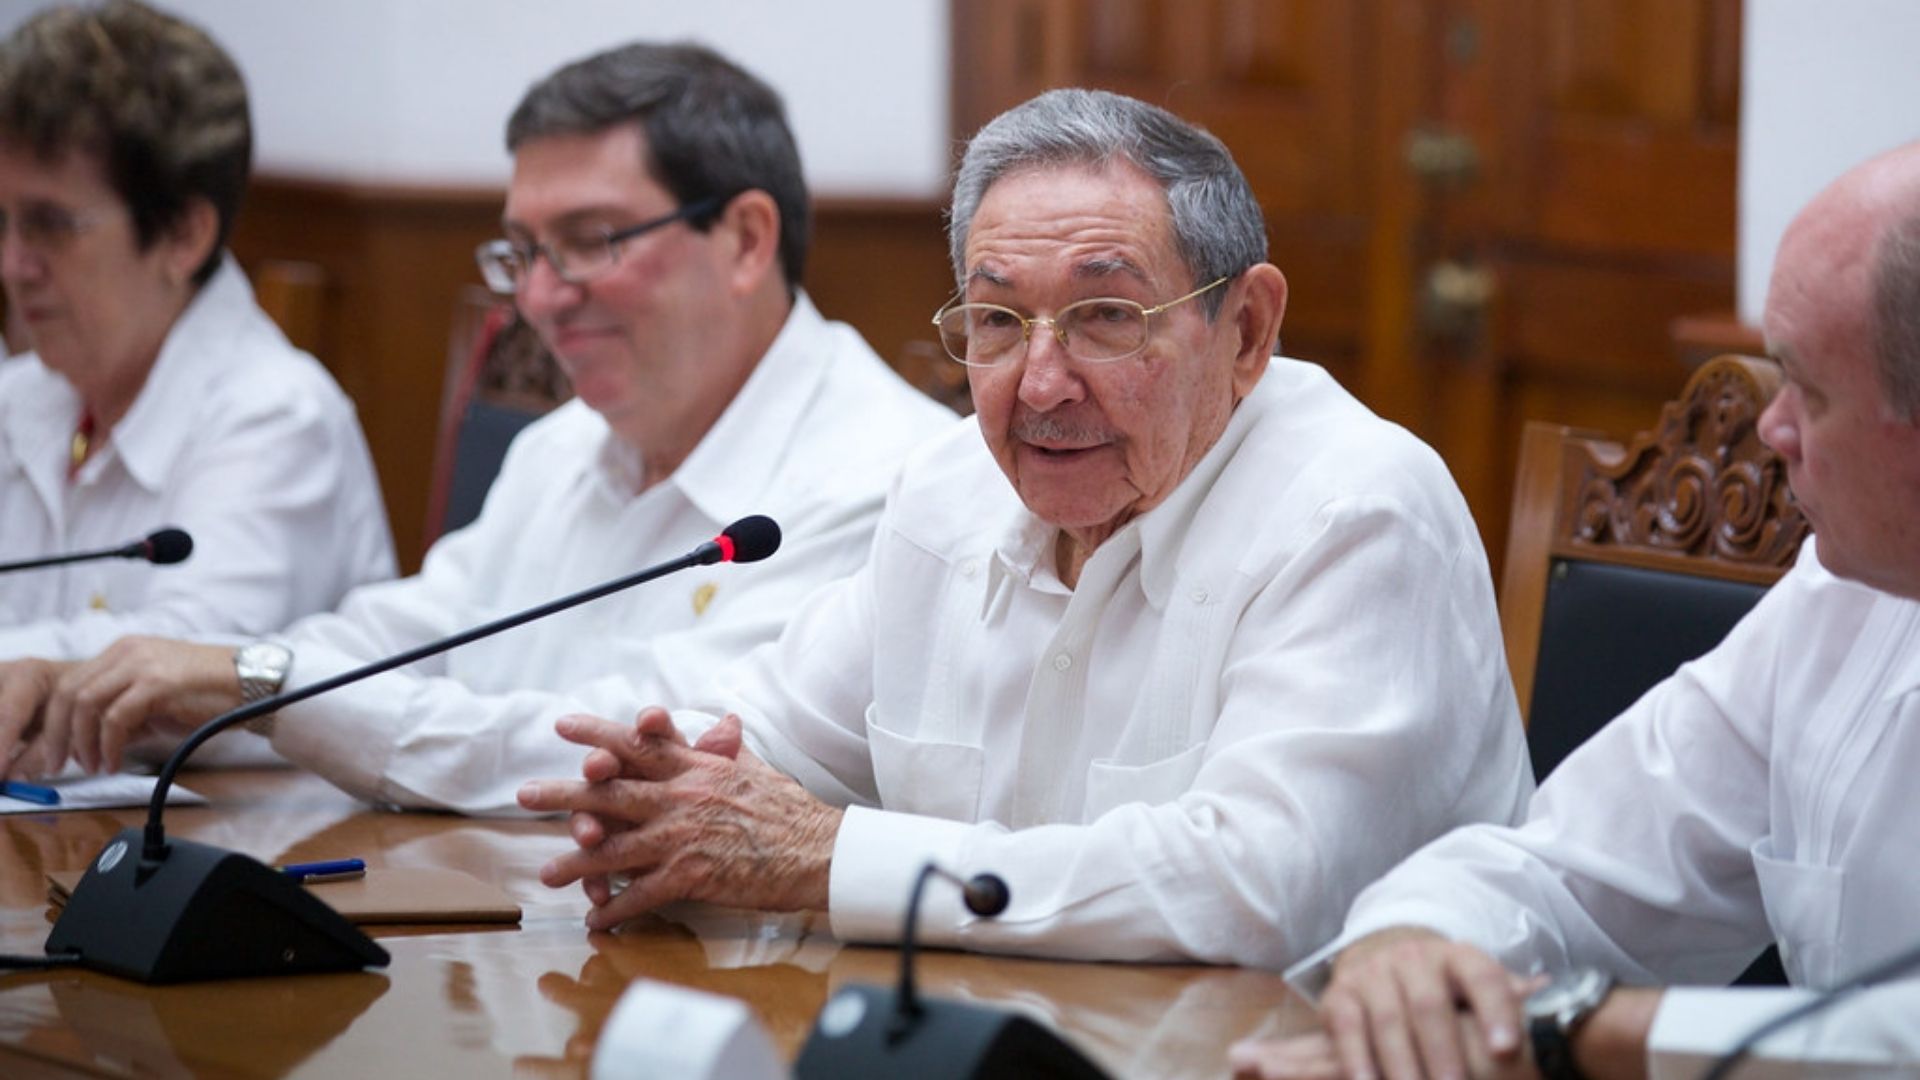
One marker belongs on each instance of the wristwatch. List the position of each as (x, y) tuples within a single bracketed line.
[(262, 667), (1556, 1011)]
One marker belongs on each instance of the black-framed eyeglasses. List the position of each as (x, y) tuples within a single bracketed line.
[(1095, 330), (578, 258)]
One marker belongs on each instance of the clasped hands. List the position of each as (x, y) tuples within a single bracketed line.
[(707, 821)]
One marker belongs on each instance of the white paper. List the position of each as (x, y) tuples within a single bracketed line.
[(109, 791)]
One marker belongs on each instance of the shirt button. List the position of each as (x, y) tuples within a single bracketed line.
[(969, 568), (1199, 596), (1062, 662)]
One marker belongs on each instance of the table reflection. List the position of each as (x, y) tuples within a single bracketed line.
[(529, 1000)]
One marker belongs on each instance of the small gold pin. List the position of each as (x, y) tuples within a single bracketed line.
[(98, 602), (703, 596)]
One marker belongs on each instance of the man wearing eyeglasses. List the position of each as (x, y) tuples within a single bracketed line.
[(656, 229), (1179, 639)]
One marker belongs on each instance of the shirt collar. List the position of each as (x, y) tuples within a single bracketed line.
[(733, 465), (153, 434)]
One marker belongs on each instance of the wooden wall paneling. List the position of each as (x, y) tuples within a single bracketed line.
[(1277, 80), (881, 265), (395, 260)]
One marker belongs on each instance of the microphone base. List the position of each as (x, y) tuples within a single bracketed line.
[(856, 1036), (201, 913)]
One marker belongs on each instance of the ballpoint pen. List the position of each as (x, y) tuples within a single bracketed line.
[(33, 793), (314, 873)]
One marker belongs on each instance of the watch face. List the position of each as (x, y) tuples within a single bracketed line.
[(1573, 991)]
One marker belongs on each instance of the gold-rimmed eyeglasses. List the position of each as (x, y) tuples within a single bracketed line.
[(1095, 330), (577, 258)]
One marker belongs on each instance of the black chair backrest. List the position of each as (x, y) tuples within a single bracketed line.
[(1608, 634)]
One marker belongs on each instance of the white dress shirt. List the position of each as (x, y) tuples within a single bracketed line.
[(238, 438), (1758, 795), (1260, 695), (811, 440)]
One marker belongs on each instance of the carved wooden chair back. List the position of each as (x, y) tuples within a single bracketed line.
[(500, 378), (1624, 562)]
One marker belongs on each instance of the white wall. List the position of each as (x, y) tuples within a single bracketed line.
[(1826, 85), (418, 91)]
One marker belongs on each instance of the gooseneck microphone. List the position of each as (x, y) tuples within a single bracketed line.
[(178, 911), (162, 547), (866, 1031), (985, 895)]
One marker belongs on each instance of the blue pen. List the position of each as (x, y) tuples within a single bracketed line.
[(32, 793), (313, 873)]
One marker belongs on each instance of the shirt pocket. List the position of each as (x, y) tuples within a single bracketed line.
[(1803, 904), (919, 776), (1111, 784)]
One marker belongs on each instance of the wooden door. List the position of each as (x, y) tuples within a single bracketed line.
[(1490, 211)]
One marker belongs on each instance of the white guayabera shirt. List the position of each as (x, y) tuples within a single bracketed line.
[(1260, 695), (1762, 794), (812, 440), (237, 437)]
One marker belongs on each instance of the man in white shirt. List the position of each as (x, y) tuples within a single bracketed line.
[(156, 391), (1188, 648), (657, 226), (1762, 794)]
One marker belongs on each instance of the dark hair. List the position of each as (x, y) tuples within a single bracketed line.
[(1896, 303), (1217, 224), (711, 127), (153, 98)]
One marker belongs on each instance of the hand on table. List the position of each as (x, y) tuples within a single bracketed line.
[(707, 822), (137, 684)]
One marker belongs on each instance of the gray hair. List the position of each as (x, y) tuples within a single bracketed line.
[(712, 128), (1217, 225), (1896, 308)]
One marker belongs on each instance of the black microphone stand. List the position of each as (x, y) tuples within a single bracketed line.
[(185, 911), (866, 1031), (138, 549)]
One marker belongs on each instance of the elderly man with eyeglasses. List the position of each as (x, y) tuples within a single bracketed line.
[(1179, 639), (657, 226)]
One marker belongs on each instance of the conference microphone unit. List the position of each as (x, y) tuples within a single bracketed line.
[(167, 911), (161, 547), (869, 1031)]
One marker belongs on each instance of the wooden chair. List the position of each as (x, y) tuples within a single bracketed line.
[(500, 378), (1625, 562)]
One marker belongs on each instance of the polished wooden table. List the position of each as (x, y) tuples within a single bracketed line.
[(525, 1001)]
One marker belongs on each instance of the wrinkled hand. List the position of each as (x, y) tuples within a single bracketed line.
[(138, 683), (1407, 1002), (25, 688), (705, 822)]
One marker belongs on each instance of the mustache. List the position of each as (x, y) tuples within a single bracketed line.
[(1063, 428)]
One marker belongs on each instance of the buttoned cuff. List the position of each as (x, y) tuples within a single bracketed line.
[(876, 856)]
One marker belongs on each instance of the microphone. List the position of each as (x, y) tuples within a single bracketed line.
[(162, 547), (865, 1031), (162, 911)]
